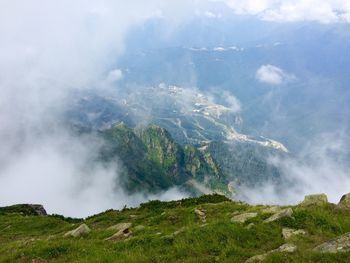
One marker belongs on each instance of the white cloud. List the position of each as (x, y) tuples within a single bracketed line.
[(272, 75), (321, 167), (47, 50), (114, 75), (231, 101), (210, 14), (323, 11)]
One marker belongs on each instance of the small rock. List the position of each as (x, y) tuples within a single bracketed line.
[(123, 232), (257, 258), (283, 213), (201, 214), (182, 229), (285, 248), (38, 260), (317, 199), (243, 217), (120, 226), (82, 230), (340, 244), (250, 226), (344, 202), (289, 232)]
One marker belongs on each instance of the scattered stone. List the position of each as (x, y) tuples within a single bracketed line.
[(38, 260), (201, 214), (123, 232), (120, 226), (250, 226), (7, 227), (182, 229), (257, 258), (132, 216), (344, 202), (242, 218), (317, 199), (283, 213), (340, 244), (82, 230), (271, 210), (285, 248), (289, 232)]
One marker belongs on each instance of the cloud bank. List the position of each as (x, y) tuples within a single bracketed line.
[(322, 167), (49, 50), (323, 11)]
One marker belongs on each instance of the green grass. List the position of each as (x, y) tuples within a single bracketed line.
[(28, 238)]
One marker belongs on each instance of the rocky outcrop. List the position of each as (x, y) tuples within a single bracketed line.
[(24, 209), (314, 200), (344, 202), (201, 215), (340, 244), (39, 210), (154, 161), (242, 218), (288, 212), (82, 230), (286, 248), (289, 232)]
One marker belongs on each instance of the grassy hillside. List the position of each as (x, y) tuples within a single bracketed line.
[(205, 229)]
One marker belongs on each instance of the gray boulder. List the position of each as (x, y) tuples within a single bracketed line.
[(314, 200), (123, 232), (201, 215), (82, 230), (289, 232), (288, 212), (344, 202), (340, 244), (242, 218)]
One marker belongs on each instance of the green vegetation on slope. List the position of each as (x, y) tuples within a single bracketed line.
[(173, 232), (153, 161)]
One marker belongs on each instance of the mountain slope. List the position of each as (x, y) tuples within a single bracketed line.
[(204, 229), (153, 161)]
